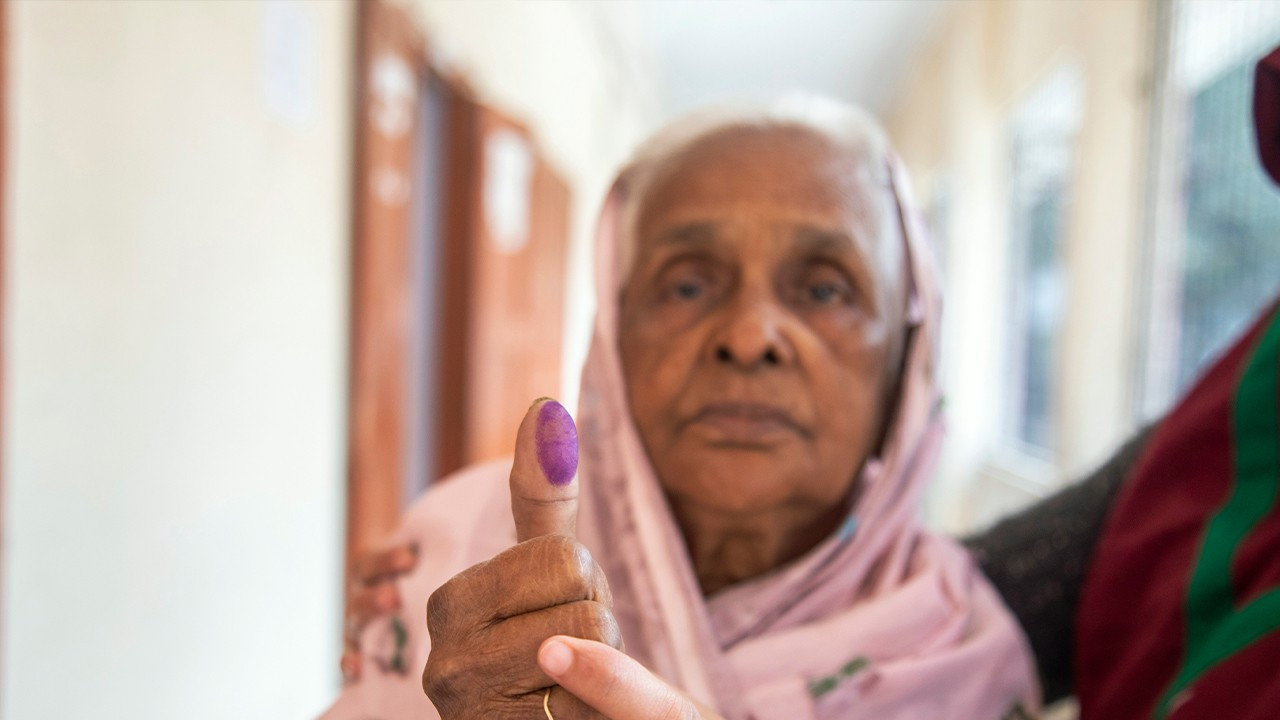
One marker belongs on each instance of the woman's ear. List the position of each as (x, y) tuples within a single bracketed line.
[(893, 386), (907, 304)]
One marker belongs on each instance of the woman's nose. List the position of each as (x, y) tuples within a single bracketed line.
[(751, 337)]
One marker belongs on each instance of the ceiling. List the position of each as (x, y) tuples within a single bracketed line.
[(709, 50)]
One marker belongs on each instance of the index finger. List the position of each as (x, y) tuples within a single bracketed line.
[(544, 489)]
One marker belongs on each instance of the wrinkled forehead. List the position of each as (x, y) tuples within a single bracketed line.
[(792, 172)]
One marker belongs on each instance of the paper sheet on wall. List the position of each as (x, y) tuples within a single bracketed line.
[(508, 171), (289, 60)]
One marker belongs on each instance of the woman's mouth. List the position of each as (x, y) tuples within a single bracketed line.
[(744, 424)]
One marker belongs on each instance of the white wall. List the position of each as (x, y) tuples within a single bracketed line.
[(176, 361)]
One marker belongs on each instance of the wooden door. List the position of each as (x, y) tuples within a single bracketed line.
[(459, 249), (517, 297), (388, 99)]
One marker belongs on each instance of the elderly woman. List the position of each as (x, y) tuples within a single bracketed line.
[(758, 419)]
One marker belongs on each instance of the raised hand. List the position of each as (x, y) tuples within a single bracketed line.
[(487, 622)]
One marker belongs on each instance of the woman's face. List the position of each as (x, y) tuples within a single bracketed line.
[(761, 320)]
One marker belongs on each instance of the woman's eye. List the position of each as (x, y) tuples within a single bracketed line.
[(687, 290), (820, 284), (824, 293), (686, 284)]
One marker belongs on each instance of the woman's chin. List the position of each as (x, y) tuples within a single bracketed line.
[(733, 480)]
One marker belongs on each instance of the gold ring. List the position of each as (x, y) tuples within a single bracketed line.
[(546, 707)]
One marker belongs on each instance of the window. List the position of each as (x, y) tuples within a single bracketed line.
[(1041, 144), (1215, 216)]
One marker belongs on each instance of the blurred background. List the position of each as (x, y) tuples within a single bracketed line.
[(270, 268)]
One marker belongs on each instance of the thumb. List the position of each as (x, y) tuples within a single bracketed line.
[(544, 493), (613, 683)]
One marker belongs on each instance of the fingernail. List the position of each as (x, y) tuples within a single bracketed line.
[(555, 658), (557, 441)]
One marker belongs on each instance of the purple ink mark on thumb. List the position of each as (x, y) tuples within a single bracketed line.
[(557, 440)]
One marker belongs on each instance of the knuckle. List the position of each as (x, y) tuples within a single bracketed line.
[(599, 588), (439, 610), (562, 557), (442, 676), (596, 622), (582, 558), (581, 555), (571, 558)]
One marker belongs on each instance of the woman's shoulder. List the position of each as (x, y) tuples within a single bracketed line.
[(462, 490), (472, 503)]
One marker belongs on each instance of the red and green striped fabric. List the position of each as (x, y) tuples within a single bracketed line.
[(1180, 613)]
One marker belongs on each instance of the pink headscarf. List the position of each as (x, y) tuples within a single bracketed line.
[(883, 620)]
